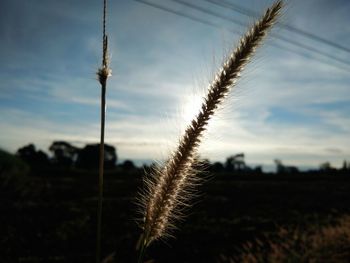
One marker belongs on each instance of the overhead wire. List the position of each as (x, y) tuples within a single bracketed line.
[(251, 13), (209, 23), (277, 36), (177, 13)]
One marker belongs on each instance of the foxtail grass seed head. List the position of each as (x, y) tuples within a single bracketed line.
[(104, 72), (166, 191)]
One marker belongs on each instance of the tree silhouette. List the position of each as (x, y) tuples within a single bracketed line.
[(258, 169), (88, 157), (235, 163), (326, 166), (64, 154), (217, 167), (127, 165), (283, 169), (346, 166), (33, 157)]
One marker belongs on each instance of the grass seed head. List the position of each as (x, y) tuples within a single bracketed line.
[(167, 189)]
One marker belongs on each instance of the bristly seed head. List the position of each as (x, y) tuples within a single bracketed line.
[(103, 74), (167, 191)]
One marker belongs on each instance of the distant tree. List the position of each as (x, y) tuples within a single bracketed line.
[(258, 169), (11, 164), (127, 165), (33, 157), (217, 167), (64, 154), (27, 152), (345, 166), (326, 166), (279, 166), (110, 156), (283, 169), (13, 173), (89, 155), (235, 163)]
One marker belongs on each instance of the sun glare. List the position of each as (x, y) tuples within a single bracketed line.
[(191, 108)]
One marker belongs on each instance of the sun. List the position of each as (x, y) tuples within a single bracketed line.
[(191, 108)]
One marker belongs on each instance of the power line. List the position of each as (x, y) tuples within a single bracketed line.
[(177, 13), (206, 22), (210, 12), (282, 38), (251, 13)]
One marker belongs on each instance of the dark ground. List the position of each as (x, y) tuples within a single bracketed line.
[(51, 217)]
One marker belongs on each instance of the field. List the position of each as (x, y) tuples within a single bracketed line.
[(52, 218)]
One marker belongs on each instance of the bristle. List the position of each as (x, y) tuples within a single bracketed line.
[(166, 190)]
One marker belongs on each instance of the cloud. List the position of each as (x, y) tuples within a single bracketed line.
[(287, 105)]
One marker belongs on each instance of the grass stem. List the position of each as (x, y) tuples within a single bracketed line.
[(103, 73), (101, 169), (142, 252)]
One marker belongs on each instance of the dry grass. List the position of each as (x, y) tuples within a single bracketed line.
[(166, 191), (329, 244)]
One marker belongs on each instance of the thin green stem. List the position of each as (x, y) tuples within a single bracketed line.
[(101, 167)]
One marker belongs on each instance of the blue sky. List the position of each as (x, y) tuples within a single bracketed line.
[(291, 103)]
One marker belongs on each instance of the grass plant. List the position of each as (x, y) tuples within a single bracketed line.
[(103, 73), (166, 188), (329, 244)]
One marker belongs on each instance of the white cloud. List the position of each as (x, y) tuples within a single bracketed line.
[(156, 67)]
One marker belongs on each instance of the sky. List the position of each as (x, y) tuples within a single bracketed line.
[(292, 102)]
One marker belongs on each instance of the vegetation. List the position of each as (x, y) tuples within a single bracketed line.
[(13, 173), (314, 244), (168, 188), (53, 218), (103, 73)]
